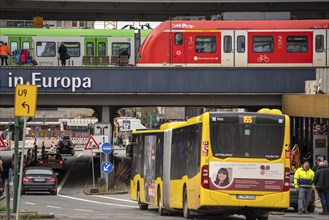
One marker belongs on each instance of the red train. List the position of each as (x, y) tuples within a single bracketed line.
[(256, 43)]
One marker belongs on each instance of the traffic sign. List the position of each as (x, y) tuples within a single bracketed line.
[(107, 148), (106, 167), (102, 129), (2, 143), (91, 144), (25, 100)]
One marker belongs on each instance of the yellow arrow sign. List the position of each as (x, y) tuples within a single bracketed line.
[(25, 100)]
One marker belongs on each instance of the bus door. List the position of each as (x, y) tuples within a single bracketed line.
[(18, 43), (241, 48), (178, 52), (319, 48), (227, 39)]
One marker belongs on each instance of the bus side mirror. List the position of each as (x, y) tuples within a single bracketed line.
[(129, 151)]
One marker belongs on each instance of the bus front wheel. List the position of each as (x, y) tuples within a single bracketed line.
[(186, 211), (142, 206)]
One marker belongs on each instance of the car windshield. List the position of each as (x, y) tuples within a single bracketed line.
[(39, 171)]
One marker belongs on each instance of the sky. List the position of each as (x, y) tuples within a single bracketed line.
[(100, 24)]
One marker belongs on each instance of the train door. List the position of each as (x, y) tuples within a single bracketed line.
[(241, 49), (319, 48), (227, 51), (95, 47), (178, 52), (18, 43)]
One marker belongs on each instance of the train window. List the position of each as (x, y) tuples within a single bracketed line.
[(13, 46), (90, 49), (117, 48), (241, 44), (262, 44), (74, 24), (227, 44), (59, 24), (205, 44), (46, 49), (82, 24), (297, 44), (26, 45), (101, 49), (73, 48), (319, 43), (178, 38)]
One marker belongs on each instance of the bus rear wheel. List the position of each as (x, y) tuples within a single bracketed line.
[(142, 206), (160, 209), (186, 211)]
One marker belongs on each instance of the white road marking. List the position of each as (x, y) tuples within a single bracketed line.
[(30, 203), (95, 202), (54, 207), (84, 210), (112, 198), (60, 186)]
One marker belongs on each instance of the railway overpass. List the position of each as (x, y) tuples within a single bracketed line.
[(107, 89)]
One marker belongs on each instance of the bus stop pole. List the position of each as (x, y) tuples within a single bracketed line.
[(7, 199), (21, 170), (16, 139)]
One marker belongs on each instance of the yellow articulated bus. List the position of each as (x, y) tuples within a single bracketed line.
[(223, 163)]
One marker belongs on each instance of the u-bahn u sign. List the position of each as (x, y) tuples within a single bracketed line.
[(158, 80)]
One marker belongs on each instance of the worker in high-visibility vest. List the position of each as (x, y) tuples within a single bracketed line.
[(4, 52), (303, 181)]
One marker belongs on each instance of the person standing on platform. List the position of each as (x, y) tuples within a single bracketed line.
[(4, 52), (321, 181), (62, 50)]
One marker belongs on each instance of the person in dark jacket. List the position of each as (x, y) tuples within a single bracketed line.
[(321, 181), (316, 166), (62, 50)]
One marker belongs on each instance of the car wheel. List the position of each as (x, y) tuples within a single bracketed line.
[(54, 192), (262, 218), (23, 192), (311, 209), (251, 217)]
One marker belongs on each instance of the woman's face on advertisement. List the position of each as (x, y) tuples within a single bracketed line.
[(222, 176)]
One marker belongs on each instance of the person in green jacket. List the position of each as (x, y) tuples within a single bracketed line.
[(303, 181)]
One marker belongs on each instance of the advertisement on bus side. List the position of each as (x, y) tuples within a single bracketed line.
[(246, 176)]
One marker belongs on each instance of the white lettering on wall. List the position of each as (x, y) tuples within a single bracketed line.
[(72, 83)]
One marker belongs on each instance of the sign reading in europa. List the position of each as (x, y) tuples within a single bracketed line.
[(51, 82)]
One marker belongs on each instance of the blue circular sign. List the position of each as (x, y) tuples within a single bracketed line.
[(106, 167), (107, 148)]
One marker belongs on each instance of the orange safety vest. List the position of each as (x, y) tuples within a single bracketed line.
[(4, 50)]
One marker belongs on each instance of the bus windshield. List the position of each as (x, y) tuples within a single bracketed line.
[(247, 136)]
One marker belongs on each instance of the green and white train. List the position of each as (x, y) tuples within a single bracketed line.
[(82, 44)]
